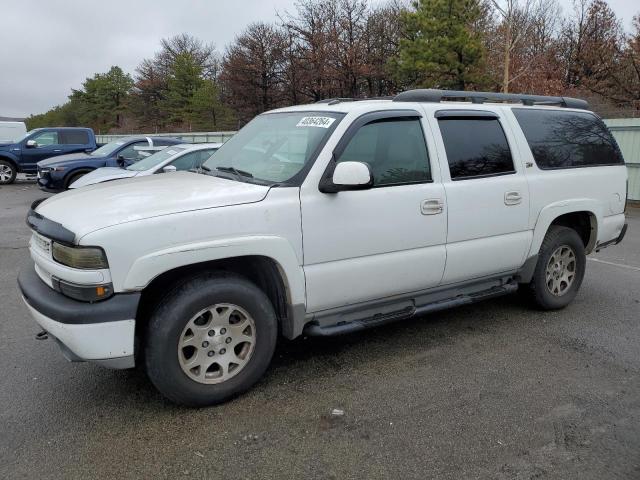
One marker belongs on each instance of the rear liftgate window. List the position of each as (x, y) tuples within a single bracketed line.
[(476, 147), (567, 139)]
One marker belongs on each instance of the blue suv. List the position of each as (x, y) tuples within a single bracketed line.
[(56, 174)]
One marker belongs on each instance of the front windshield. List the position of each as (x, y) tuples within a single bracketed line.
[(274, 147), (155, 159), (109, 148)]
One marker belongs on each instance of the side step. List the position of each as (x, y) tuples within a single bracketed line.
[(315, 330)]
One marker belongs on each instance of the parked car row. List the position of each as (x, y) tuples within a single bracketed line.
[(64, 158)]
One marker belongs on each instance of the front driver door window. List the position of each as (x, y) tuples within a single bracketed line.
[(46, 139)]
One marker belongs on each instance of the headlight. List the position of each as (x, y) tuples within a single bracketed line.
[(52, 169), (86, 258)]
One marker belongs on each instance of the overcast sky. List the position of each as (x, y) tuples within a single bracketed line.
[(48, 47)]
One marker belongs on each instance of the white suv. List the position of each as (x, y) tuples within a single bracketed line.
[(324, 219)]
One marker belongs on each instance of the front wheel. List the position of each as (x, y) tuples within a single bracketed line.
[(560, 269), (210, 339), (7, 172)]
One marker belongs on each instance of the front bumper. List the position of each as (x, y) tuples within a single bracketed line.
[(49, 183), (101, 332)]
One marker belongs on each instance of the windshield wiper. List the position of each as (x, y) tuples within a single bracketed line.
[(238, 173)]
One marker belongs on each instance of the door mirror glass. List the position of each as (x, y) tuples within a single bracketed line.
[(169, 169), (350, 176), (31, 144)]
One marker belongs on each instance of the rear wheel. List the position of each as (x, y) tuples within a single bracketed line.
[(560, 269), (8, 172), (210, 339)]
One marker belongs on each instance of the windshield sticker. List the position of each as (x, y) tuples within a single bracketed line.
[(322, 122)]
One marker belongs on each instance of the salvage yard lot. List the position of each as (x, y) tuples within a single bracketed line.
[(493, 390)]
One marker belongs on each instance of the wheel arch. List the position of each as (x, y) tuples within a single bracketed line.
[(274, 268), (69, 175), (11, 159), (582, 216)]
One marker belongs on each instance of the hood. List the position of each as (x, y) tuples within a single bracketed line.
[(69, 157), (91, 208), (4, 144), (104, 174)]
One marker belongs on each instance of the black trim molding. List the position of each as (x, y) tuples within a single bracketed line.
[(44, 299), (49, 228)]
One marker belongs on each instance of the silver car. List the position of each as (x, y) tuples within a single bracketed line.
[(185, 156)]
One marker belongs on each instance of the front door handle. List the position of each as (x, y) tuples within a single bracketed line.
[(512, 198), (431, 206)]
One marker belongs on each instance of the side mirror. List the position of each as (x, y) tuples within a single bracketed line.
[(31, 144), (120, 161), (169, 169), (348, 176)]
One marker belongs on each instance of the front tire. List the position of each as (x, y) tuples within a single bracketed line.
[(560, 269), (8, 172), (210, 339)]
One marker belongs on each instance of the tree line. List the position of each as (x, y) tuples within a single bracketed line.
[(352, 48)]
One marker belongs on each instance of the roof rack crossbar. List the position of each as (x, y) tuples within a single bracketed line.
[(436, 96)]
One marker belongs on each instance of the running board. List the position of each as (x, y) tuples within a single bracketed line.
[(315, 330)]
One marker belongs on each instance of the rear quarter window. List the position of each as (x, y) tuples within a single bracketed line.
[(74, 137), (568, 139)]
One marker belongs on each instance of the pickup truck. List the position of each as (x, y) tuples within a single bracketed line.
[(23, 155), (325, 219)]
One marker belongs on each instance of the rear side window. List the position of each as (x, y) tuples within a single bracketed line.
[(567, 139), (74, 137), (395, 149), (476, 147)]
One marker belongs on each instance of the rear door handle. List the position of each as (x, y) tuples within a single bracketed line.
[(431, 206), (57, 150), (512, 198)]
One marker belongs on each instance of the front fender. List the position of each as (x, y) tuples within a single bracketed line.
[(7, 155), (552, 211), (148, 267)]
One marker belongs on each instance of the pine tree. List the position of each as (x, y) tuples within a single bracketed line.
[(441, 49)]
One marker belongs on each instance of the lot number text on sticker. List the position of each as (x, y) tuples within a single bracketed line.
[(322, 122)]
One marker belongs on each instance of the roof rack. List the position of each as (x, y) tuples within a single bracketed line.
[(333, 101), (436, 96)]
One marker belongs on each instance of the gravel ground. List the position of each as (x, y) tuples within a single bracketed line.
[(495, 390)]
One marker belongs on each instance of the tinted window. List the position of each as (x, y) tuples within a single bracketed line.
[(394, 149), (74, 137), (567, 139), (46, 138), (475, 147)]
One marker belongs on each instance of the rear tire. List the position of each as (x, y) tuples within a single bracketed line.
[(560, 269), (8, 172), (210, 339)]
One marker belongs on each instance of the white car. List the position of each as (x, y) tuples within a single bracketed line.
[(325, 219), (186, 156)]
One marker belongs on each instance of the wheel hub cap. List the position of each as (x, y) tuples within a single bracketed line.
[(5, 173), (216, 343), (561, 270)]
